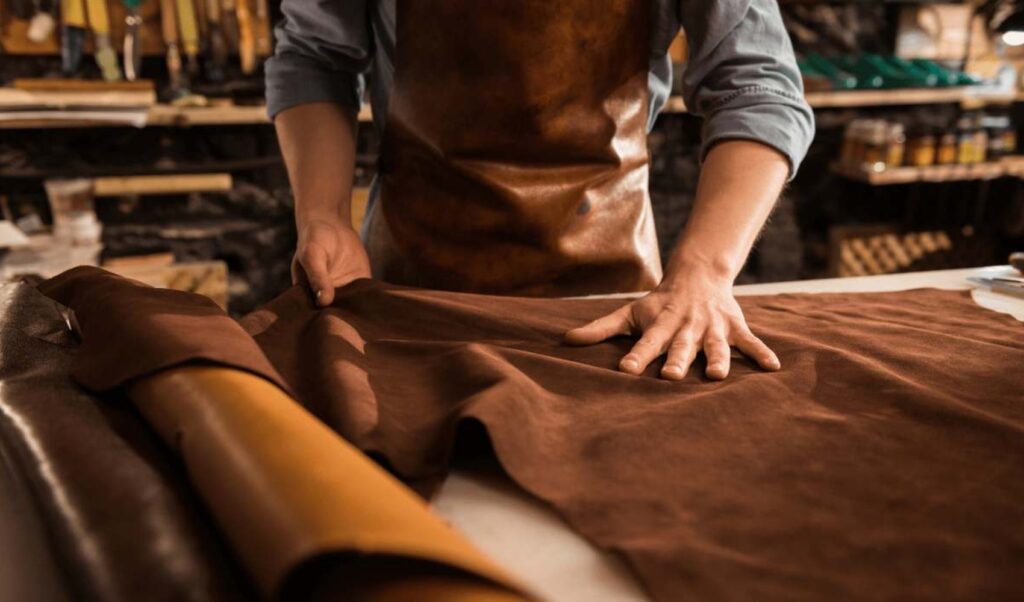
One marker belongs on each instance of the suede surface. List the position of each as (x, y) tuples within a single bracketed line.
[(885, 459)]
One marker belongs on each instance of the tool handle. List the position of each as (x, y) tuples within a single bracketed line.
[(1017, 261)]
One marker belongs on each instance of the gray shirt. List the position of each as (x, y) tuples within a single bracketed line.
[(741, 76)]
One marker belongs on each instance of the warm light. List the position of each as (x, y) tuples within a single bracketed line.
[(1014, 38)]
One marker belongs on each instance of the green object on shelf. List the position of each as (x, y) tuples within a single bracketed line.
[(867, 77), (928, 79), (893, 76), (946, 77), (841, 79)]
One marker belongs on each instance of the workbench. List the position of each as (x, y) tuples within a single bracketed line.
[(531, 541)]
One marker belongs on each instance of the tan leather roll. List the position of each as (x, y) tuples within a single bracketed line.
[(287, 491)]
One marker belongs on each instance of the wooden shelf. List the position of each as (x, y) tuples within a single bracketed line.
[(228, 114), (157, 184), (967, 96), (1007, 167)]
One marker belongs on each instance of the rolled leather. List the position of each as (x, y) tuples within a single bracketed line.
[(92, 505), (882, 461), (288, 492), (308, 515)]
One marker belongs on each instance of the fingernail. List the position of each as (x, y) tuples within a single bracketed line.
[(673, 371), (629, 364)]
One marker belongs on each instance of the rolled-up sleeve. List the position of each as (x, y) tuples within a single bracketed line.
[(742, 77), (323, 48)]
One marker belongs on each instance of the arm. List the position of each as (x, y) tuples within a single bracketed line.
[(743, 80), (314, 87), (318, 143)]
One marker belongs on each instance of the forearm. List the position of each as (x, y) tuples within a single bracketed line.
[(318, 142), (739, 185)]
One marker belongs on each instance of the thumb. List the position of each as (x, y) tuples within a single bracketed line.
[(615, 323), (314, 261)]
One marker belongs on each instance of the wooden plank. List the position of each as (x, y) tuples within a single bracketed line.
[(82, 85), (867, 98), (140, 261), (209, 278), (1006, 167), (149, 185), (167, 115)]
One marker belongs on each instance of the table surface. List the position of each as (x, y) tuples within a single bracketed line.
[(532, 542)]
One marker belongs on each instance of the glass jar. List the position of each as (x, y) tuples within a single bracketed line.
[(921, 148), (946, 152), (896, 144), (875, 146)]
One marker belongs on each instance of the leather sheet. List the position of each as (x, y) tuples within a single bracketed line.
[(104, 512), (883, 461)]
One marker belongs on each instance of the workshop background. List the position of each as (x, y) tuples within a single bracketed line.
[(134, 135)]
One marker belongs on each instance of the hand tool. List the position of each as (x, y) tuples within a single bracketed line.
[(1017, 261), (246, 40), (1009, 286), (132, 39), (169, 27), (99, 21), (261, 29), (189, 33), (218, 61), (42, 24), (229, 23), (72, 37)]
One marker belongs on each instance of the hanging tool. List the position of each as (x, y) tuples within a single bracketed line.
[(72, 39), (132, 39), (261, 28), (246, 39), (169, 27), (42, 24), (216, 66), (1017, 261), (189, 32), (99, 21), (229, 23)]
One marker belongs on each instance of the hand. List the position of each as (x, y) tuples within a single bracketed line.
[(691, 313), (331, 254)]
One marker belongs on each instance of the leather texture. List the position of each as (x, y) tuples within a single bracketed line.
[(307, 515), (881, 462), (515, 154), (103, 511)]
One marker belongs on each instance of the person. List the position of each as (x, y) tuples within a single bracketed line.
[(513, 154)]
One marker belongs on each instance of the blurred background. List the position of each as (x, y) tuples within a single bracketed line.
[(133, 135)]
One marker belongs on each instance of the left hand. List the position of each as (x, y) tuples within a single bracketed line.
[(690, 312)]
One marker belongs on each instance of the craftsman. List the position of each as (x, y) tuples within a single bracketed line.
[(513, 154)]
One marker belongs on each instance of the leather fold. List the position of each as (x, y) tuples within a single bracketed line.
[(149, 332), (308, 515)]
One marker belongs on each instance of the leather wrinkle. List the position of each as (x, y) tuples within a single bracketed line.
[(882, 461)]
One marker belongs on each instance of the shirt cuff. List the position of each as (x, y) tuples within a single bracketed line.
[(293, 80), (772, 117)]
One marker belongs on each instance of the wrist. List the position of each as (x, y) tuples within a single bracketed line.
[(329, 215), (686, 264)]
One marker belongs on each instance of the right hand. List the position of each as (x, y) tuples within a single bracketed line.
[(331, 255)]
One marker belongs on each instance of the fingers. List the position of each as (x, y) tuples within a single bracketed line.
[(755, 349), (651, 345), (681, 353), (613, 324), (314, 262), (716, 350)]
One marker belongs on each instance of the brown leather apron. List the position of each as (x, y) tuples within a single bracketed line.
[(514, 159)]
